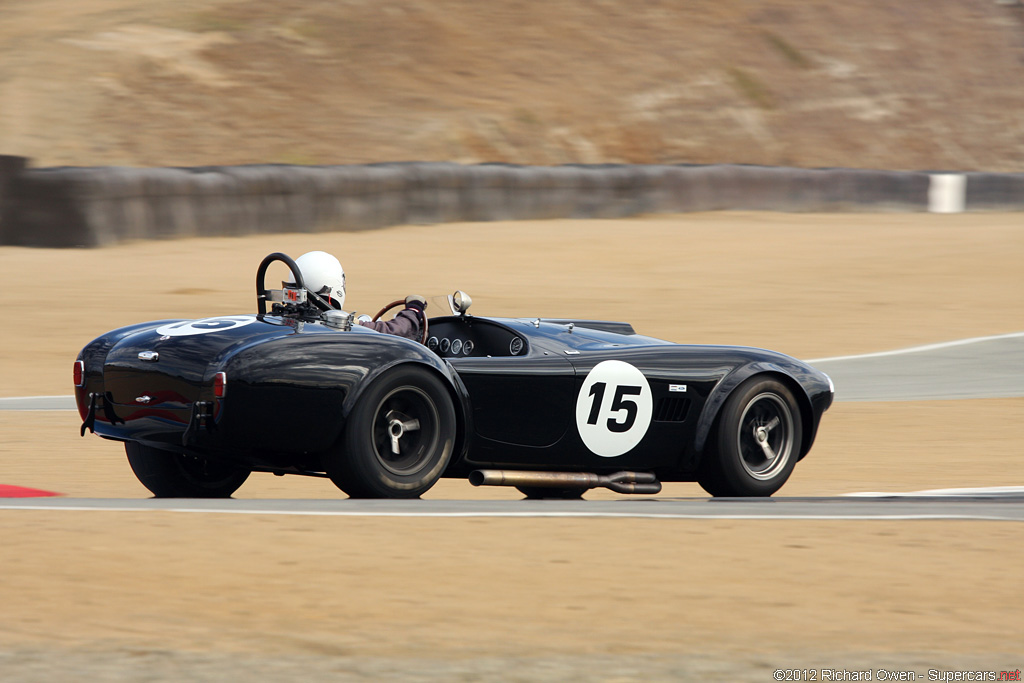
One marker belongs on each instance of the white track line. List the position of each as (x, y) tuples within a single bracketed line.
[(987, 492), (921, 349), (38, 403), (13, 398), (524, 515)]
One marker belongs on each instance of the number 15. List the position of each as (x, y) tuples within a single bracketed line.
[(619, 403)]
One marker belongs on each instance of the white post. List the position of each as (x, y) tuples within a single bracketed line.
[(947, 193)]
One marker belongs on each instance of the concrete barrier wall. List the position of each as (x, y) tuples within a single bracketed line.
[(10, 167), (64, 207)]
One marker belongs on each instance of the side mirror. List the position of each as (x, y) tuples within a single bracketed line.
[(460, 302)]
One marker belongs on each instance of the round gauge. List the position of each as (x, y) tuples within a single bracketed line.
[(445, 345), (516, 347), (432, 343), (457, 347), (467, 348)]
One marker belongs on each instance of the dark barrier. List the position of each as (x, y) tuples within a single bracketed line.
[(995, 191), (63, 207), (10, 166), (45, 208)]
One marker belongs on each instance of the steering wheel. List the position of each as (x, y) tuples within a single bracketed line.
[(401, 302)]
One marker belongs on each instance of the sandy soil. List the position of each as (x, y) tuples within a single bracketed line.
[(163, 596), (810, 285), (747, 596)]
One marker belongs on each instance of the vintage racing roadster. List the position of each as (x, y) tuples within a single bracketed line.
[(553, 407)]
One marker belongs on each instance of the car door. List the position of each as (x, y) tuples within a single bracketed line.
[(519, 401)]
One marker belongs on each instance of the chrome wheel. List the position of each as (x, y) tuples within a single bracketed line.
[(765, 437), (405, 430), (757, 440), (398, 438)]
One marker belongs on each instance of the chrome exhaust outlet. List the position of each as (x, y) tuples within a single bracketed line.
[(620, 482)]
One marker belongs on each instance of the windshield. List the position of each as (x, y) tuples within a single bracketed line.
[(440, 305), (456, 303)]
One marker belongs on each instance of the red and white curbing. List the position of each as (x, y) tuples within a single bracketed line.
[(10, 491)]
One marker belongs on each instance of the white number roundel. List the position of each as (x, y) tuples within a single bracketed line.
[(188, 328), (613, 409)]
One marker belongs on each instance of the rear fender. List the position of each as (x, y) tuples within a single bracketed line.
[(424, 357), (444, 371), (94, 355)]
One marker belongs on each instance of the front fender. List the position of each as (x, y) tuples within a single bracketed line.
[(720, 394)]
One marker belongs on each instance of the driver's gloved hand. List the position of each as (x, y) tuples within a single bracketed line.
[(415, 301)]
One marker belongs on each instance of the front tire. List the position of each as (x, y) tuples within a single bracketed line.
[(398, 439), (758, 438), (169, 474)]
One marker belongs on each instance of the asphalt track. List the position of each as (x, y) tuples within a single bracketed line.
[(983, 367), (992, 505)]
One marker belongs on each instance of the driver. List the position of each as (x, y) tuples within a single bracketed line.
[(323, 274)]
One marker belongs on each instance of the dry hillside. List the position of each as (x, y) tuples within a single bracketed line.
[(921, 84)]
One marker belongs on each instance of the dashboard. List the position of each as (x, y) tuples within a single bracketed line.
[(467, 337)]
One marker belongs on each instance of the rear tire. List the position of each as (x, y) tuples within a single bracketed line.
[(541, 492), (408, 410), (758, 441), (170, 474)]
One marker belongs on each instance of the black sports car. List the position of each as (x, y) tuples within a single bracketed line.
[(553, 407)]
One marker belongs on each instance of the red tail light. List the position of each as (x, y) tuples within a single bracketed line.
[(220, 384), (79, 373)]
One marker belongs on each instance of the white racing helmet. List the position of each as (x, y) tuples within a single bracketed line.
[(323, 274)]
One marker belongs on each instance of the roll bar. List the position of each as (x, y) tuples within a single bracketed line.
[(261, 275)]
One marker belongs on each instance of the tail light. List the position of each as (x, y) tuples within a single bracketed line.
[(220, 384), (79, 373)]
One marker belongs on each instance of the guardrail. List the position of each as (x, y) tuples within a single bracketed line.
[(70, 206)]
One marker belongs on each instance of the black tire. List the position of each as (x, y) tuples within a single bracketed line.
[(170, 474), (408, 410), (758, 441), (541, 492)]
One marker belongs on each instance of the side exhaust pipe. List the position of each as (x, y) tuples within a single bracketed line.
[(620, 482)]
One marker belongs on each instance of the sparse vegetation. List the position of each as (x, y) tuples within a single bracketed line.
[(792, 55), (805, 84), (750, 87)]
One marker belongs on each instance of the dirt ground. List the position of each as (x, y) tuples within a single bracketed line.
[(163, 596), (871, 84)]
